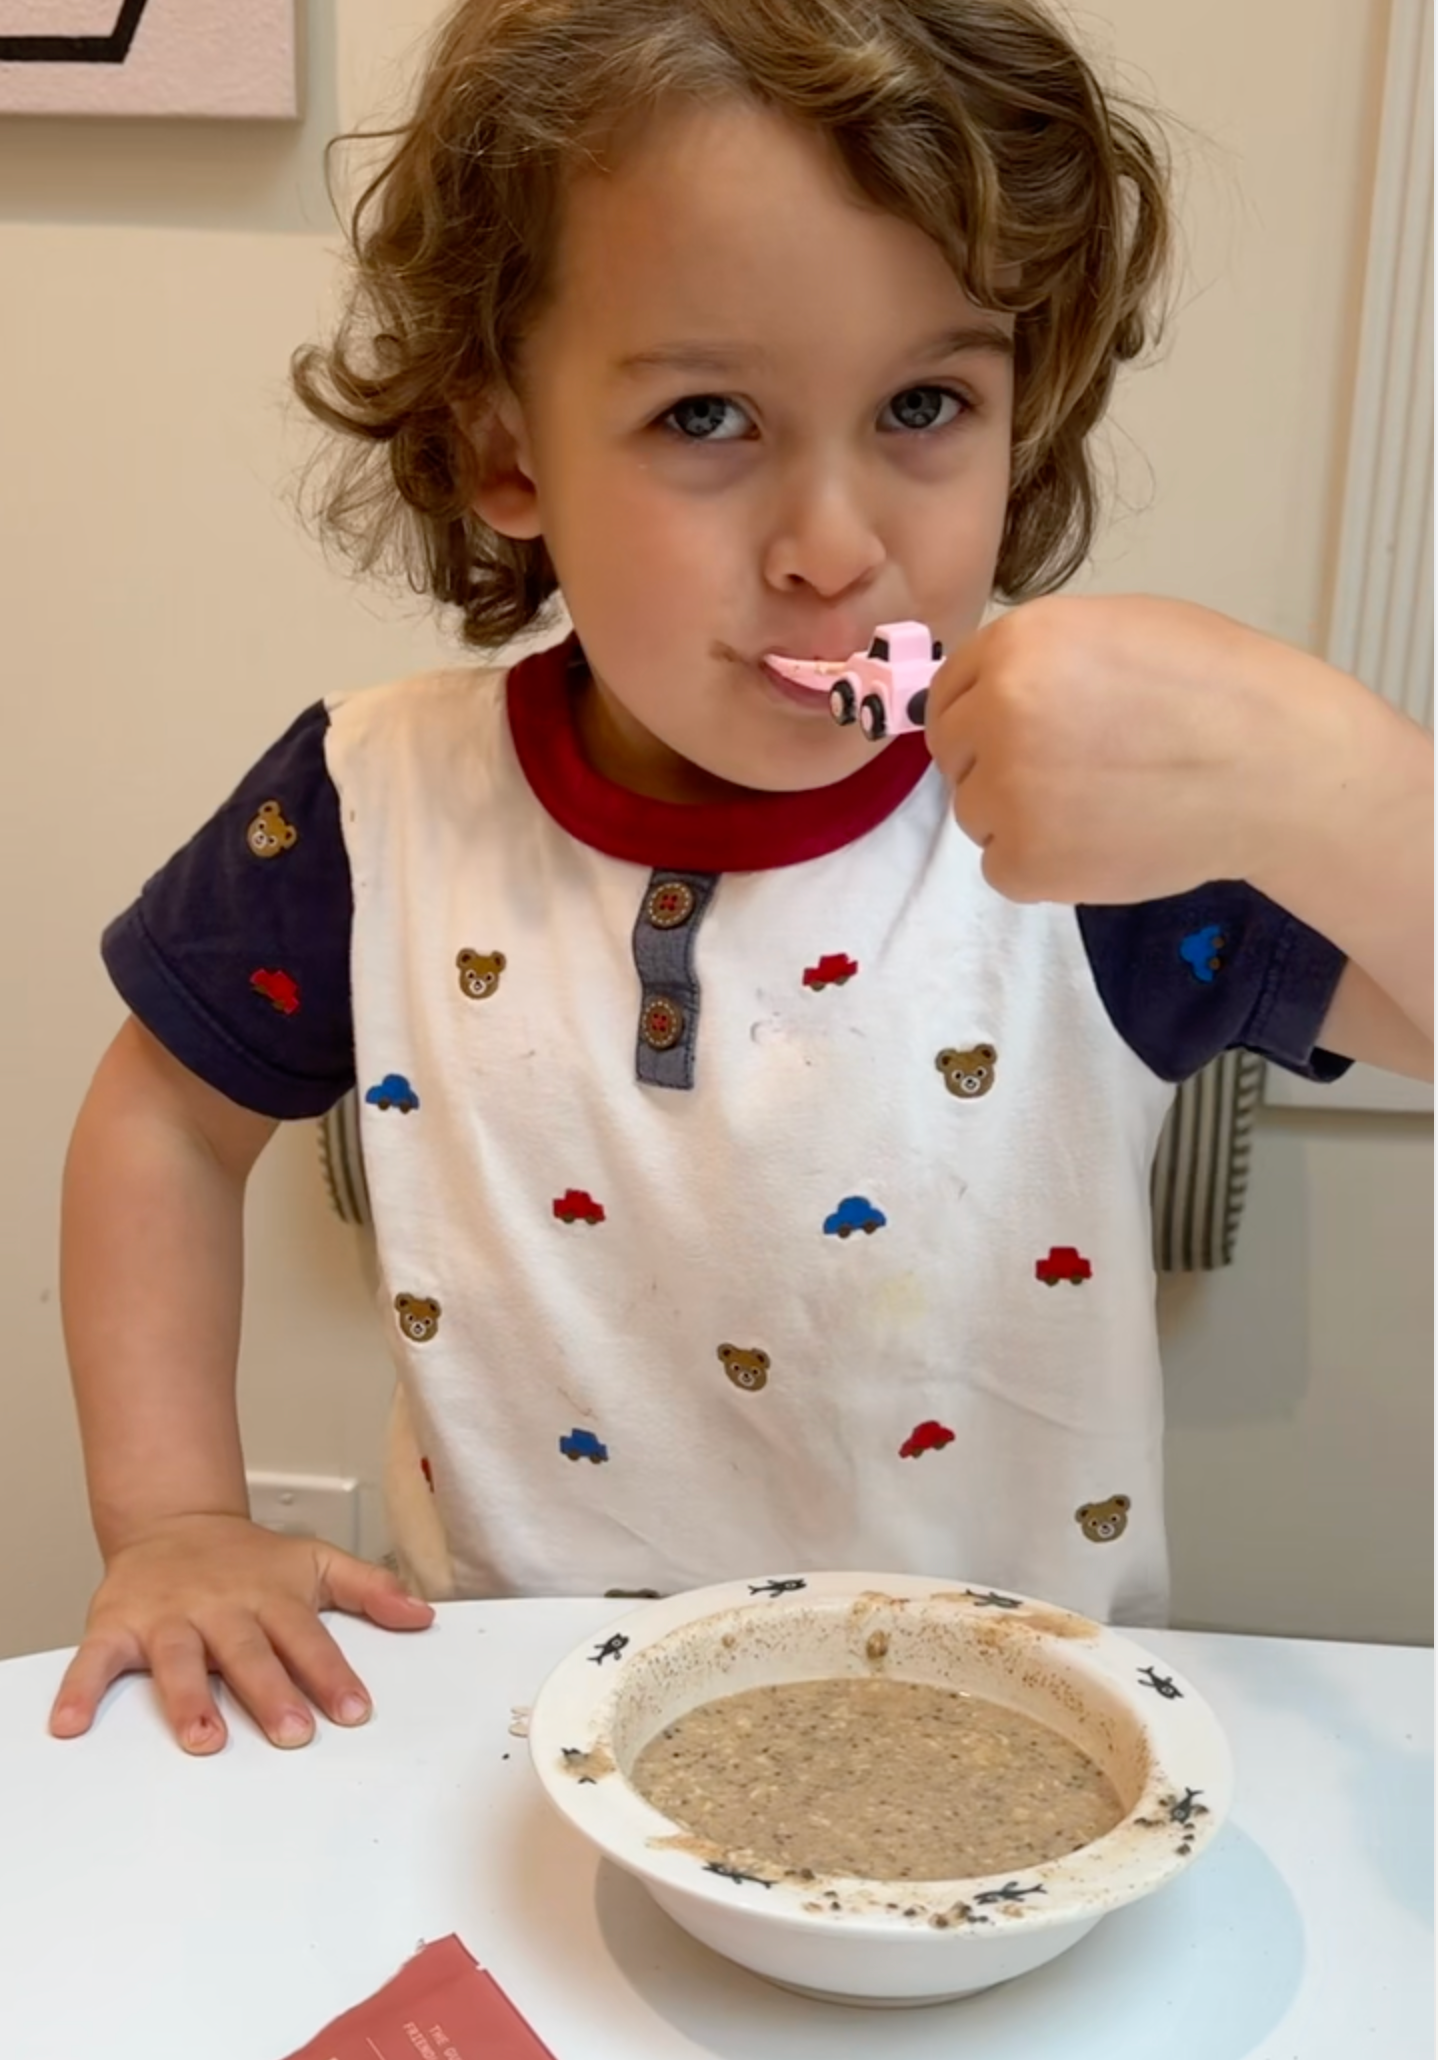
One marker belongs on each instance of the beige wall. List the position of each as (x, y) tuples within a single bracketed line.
[(165, 618)]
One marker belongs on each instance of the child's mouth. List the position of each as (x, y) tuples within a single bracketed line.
[(811, 699)]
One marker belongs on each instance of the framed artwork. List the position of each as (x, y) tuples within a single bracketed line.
[(149, 57)]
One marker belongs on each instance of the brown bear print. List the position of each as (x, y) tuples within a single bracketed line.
[(479, 973), (418, 1317), (269, 834), (968, 1074), (1102, 1522), (748, 1370)]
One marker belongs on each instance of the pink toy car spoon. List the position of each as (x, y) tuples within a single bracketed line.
[(884, 689)]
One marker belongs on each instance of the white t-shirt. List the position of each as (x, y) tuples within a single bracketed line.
[(754, 1189)]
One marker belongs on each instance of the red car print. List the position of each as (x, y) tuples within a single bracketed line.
[(575, 1206), (278, 988), (833, 969), (1063, 1263), (926, 1437)]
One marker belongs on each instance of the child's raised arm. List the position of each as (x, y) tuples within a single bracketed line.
[(151, 1274), (1121, 749)]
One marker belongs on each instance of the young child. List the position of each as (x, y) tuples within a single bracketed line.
[(758, 1122)]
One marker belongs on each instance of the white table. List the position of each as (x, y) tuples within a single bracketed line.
[(155, 1907)]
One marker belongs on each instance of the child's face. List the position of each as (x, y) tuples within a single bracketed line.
[(815, 463)]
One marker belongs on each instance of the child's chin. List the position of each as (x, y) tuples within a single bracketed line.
[(771, 779), (779, 758), (805, 765)]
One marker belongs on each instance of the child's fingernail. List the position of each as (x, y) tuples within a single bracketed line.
[(353, 1709), (67, 1719), (292, 1729), (202, 1732)]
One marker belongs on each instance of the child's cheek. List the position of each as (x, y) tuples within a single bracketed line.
[(671, 551)]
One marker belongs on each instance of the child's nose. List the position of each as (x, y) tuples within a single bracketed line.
[(824, 536)]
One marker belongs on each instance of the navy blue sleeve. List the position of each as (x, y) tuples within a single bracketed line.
[(236, 956), (1197, 974)]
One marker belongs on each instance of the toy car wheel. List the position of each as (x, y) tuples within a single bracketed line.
[(918, 707), (846, 1230), (868, 1228), (841, 701), (574, 1456), (871, 717), (596, 1458)]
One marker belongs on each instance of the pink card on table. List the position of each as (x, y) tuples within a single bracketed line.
[(440, 2006)]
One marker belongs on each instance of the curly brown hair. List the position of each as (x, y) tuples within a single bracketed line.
[(976, 120)]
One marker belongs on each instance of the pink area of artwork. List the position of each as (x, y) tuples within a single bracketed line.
[(149, 57)]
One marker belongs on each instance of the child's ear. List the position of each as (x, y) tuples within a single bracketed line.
[(504, 491)]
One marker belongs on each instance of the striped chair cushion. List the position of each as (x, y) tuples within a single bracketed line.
[(1200, 1170)]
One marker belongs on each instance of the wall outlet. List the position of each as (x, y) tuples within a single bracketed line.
[(310, 1505)]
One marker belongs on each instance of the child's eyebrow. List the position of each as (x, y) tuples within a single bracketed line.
[(733, 357)]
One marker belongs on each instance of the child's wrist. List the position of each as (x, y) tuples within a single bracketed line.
[(1296, 714), (116, 1531), (1332, 775)]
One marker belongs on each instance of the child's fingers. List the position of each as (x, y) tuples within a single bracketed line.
[(371, 1591), (952, 743), (175, 1654), (316, 1662), (952, 721), (100, 1660), (256, 1676), (957, 674)]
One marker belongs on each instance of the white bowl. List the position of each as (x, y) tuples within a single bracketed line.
[(853, 1940)]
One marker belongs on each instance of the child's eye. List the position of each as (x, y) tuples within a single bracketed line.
[(918, 407), (699, 417), (711, 418)]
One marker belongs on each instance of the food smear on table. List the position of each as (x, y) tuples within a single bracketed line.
[(883, 1779)]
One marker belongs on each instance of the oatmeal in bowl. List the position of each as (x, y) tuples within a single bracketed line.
[(880, 1789)]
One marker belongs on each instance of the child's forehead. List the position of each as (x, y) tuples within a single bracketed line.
[(732, 231), (715, 170)]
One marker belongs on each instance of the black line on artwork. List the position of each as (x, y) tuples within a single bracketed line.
[(111, 49)]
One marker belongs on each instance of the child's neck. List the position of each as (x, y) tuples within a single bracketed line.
[(620, 749)]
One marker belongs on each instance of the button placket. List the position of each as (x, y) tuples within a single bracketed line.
[(665, 933)]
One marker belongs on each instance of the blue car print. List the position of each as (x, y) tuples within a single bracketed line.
[(1202, 950), (393, 1092), (855, 1212), (584, 1445)]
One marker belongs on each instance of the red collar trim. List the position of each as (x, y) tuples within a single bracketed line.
[(752, 835)]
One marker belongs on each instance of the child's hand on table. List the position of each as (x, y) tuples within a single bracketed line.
[(196, 1593)]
